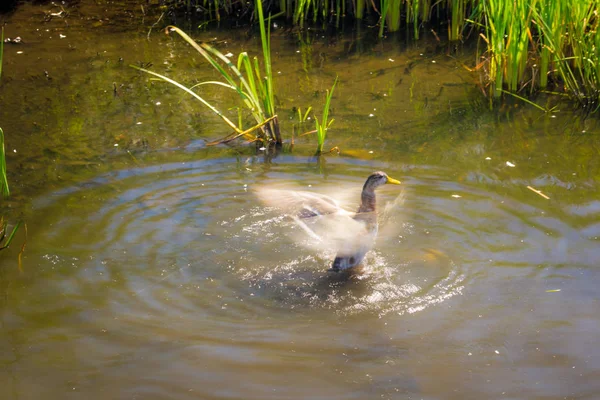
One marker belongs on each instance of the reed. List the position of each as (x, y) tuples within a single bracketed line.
[(530, 45), (3, 178), (323, 126), (359, 8), (551, 28), (1, 48), (507, 36), (458, 10), (253, 84), (570, 46), (4, 241), (390, 15)]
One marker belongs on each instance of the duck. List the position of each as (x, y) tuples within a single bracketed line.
[(351, 234)]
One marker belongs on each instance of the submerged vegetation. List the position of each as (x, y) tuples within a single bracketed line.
[(528, 46), (4, 240)]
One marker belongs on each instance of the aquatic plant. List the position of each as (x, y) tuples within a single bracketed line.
[(3, 178), (528, 45), (253, 84), (303, 117), (506, 35), (4, 241), (534, 43), (1, 49), (323, 126), (571, 47)]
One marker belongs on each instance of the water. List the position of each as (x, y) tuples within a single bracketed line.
[(152, 271)]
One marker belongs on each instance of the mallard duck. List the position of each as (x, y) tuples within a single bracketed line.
[(351, 234)]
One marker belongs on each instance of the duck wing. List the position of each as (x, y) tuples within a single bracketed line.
[(300, 204), (340, 233), (324, 223), (392, 217)]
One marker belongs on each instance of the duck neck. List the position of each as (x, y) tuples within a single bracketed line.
[(367, 201)]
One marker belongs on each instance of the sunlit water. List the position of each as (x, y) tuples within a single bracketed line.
[(157, 273)]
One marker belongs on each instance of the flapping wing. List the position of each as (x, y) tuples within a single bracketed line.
[(335, 232), (392, 217), (300, 204), (324, 224)]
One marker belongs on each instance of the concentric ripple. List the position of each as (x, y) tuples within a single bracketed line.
[(174, 279), (160, 229)]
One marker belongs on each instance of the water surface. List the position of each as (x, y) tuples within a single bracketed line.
[(152, 271)]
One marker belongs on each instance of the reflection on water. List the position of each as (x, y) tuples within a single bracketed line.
[(151, 270)]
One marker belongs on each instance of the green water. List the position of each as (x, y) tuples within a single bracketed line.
[(152, 271)]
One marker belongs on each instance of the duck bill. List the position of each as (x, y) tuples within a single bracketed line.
[(393, 181)]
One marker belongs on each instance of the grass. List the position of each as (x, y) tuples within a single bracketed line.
[(506, 35), (323, 126), (534, 45), (528, 45), (3, 178), (4, 241), (571, 47), (253, 84), (1, 49)]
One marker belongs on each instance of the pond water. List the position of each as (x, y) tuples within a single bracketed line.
[(151, 270)]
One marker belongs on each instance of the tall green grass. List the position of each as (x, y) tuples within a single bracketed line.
[(325, 123), (535, 45), (3, 178), (528, 45), (1, 49), (4, 240), (253, 84), (571, 47), (507, 31)]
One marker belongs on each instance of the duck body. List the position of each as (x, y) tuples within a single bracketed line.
[(352, 256), (351, 234)]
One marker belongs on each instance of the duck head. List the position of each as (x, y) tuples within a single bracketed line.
[(367, 196), (377, 179)]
